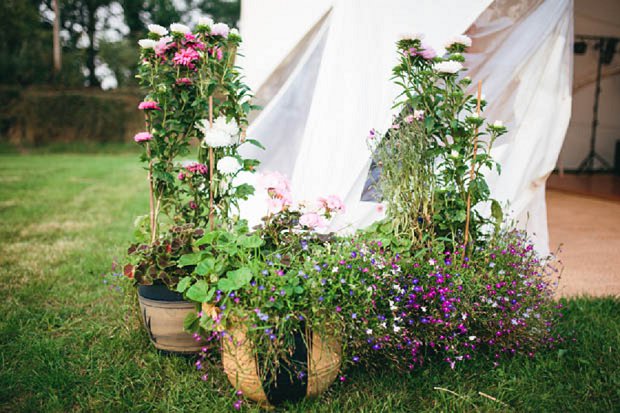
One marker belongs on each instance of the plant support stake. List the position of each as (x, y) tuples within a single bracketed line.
[(472, 173), (211, 161)]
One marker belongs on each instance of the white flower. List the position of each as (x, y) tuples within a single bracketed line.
[(454, 154), (157, 29), (228, 165), (392, 306), (383, 325), (234, 32), (179, 28), (205, 21), (397, 328), (472, 338), (335, 269), (423, 309), (229, 127), (369, 331), (147, 43), (412, 36), (460, 39), (449, 66), (498, 124), (222, 133), (432, 261), (220, 29)]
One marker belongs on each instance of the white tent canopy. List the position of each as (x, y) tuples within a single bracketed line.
[(333, 85)]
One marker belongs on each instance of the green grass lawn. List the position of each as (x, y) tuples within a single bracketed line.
[(69, 343)]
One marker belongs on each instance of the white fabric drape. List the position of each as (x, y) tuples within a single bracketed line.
[(342, 89)]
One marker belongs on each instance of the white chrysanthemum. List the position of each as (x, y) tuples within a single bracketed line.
[(412, 36), (220, 29), (460, 39), (179, 28), (449, 66), (221, 134), (234, 32), (498, 124), (147, 43), (157, 29), (205, 21), (228, 165), (229, 127)]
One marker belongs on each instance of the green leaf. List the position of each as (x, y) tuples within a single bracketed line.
[(255, 143), (184, 284), (190, 323), (299, 289), (244, 190), (189, 259), (235, 279), (205, 267), (207, 238), (253, 241), (199, 292)]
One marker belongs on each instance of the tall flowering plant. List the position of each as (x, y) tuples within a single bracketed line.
[(194, 93), (195, 99), (434, 155)]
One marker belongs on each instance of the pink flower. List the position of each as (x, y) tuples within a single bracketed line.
[(412, 51), (142, 137), (409, 119), (197, 168), (332, 203), (275, 205), (148, 105), (275, 181), (184, 81), (380, 208), (418, 115), (311, 220), (428, 52), (181, 176), (163, 45), (217, 53), (185, 57)]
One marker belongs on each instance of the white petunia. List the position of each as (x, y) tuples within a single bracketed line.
[(228, 165), (147, 43), (179, 28), (220, 29), (460, 39), (157, 29), (449, 66), (205, 21)]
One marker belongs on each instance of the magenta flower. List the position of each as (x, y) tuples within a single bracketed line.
[(217, 53), (184, 81), (186, 57), (142, 137), (148, 105)]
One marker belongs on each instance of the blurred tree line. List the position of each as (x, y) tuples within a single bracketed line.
[(98, 37)]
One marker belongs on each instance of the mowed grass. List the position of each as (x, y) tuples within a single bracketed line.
[(69, 343)]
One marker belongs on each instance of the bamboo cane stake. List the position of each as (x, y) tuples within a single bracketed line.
[(472, 173), (152, 213), (211, 161)]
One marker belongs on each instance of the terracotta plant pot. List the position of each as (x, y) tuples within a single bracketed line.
[(321, 357), (163, 312)]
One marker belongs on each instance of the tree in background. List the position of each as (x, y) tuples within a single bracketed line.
[(89, 37)]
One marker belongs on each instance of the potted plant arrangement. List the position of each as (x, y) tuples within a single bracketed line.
[(195, 99), (292, 305)]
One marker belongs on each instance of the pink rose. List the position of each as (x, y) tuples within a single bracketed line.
[(142, 137), (311, 220)]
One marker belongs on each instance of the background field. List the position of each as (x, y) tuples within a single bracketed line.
[(70, 343)]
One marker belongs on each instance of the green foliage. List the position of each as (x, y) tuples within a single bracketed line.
[(441, 145)]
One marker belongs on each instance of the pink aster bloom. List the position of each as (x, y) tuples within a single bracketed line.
[(217, 53), (148, 105), (197, 168), (409, 118), (184, 81), (428, 52), (142, 137), (311, 220), (186, 57)]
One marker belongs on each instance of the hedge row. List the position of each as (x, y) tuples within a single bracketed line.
[(39, 116)]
